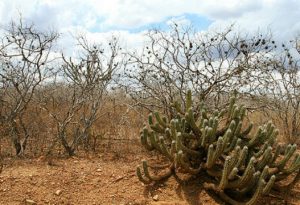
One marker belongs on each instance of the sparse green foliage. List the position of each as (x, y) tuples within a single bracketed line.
[(244, 165)]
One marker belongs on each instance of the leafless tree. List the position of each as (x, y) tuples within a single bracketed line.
[(75, 103), (210, 63), (279, 90), (24, 59)]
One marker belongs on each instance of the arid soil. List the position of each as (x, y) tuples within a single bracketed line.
[(103, 179)]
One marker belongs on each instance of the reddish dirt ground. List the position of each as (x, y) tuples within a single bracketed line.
[(103, 179)]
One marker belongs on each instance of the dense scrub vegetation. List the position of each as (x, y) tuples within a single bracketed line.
[(52, 103)]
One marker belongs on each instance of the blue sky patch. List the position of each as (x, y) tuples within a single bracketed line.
[(198, 22)]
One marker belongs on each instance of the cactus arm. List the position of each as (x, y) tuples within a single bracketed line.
[(273, 137), (160, 120), (168, 134), (252, 201), (226, 138), (144, 139), (225, 173), (214, 154), (275, 155), (258, 193), (266, 159), (261, 151), (223, 196), (214, 130), (289, 152), (269, 185), (165, 150), (140, 176), (173, 129), (295, 165), (148, 177), (279, 166), (231, 105), (250, 186), (265, 173), (177, 107), (185, 165), (157, 128), (182, 147), (232, 145), (256, 138), (233, 173), (246, 177), (235, 112), (189, 101), (237, 130), (189, 116), (150, 119), (235, 157), (204, 136), (210, 156), (154, 141), (242, 157)]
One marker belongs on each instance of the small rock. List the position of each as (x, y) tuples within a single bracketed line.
[(155, 197), (58, 192), (29, 201), (99, 170)]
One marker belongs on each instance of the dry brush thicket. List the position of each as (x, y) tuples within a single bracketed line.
[(54, 103)]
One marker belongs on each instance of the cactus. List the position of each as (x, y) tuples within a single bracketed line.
[(244, 166)]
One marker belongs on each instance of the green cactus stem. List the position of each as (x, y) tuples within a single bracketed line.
[(144, 139), (148, 178), (185, 165)]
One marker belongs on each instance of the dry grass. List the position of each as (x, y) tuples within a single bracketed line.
[(115, 150)]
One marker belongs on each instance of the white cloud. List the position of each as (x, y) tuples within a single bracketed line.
[(101, 17), (280, 16), (225, 9)]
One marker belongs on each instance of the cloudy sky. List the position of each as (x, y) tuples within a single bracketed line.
[(130, 18)]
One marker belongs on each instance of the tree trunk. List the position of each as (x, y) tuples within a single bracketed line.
[(15, 136), (65, 144)]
